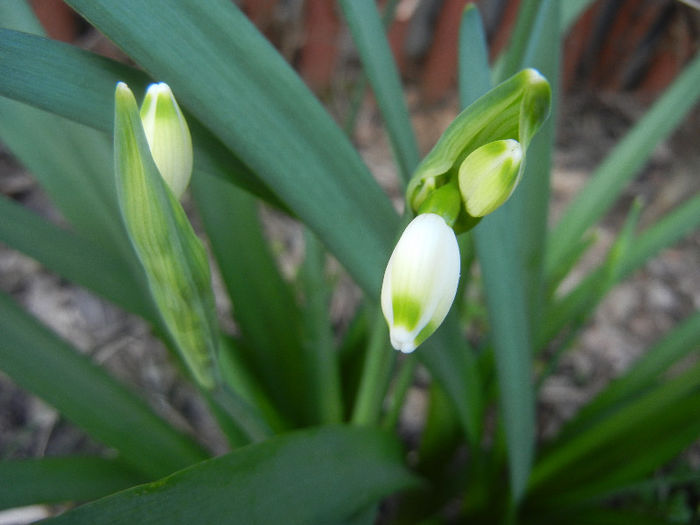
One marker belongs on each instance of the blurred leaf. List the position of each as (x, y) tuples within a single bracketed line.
[(47, 366), (263, 303), (531, 199), (261, 110), (367, 31), (503, 281), (645, 373), (580, 302), (623, 163), (55, 480), (321, 354), (453, 364), (72, 257), (474, 72), (570, 12), (79, 85), (324, 475), (647, 432)]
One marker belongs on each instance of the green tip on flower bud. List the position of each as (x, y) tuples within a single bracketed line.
[(489, 175), (420, 281), (168, 137)]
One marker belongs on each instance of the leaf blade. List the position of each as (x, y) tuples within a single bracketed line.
[(340, 471)]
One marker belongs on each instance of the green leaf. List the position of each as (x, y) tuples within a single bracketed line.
[(47, 366), (368, 34), (453, 364), (55, 480), (623, 163), (263, 303), (580, 302), (263, 112), (682, 340), (324, 475), (174, 259), (589, 462), (474, 72), (79, 85), (321, 353), (72, 257), (531, 199), (497, 252), (570, 12)]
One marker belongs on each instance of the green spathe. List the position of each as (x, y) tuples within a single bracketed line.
[(173, 258), (511, 112), (168, 137), (420, 281)]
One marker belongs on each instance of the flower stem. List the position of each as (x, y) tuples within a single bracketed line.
[(376, 375), (403, 382)]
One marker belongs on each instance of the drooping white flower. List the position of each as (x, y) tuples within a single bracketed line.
[(420, 281), (168, 137)]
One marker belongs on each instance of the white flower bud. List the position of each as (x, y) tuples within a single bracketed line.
[(420, 281), (168, 137)]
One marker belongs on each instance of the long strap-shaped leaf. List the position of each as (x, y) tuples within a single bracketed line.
[(263, 303), (240, 88), (79, 85), (628, 157), (496, 246), (317, 476), (72, 257), (368, 33), (47, 366), (54, 480)]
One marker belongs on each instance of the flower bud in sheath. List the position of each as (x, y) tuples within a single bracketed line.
[(420, 281), (489, 175), (168, 137)]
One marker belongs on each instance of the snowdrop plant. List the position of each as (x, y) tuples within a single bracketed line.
[(295, 394)]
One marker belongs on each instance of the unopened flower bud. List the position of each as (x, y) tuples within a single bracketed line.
[(420, 281), (489, 175), (168, 137)]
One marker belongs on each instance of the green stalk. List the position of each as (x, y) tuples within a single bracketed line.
[(407, 369), (376, 374)]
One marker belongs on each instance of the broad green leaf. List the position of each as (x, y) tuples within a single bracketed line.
[(55, 480), (72, 257), (623, 163), (324, 475), (173, 258), (243, 91), (367, 31), (79, 183), (79, 85), (47, 366), (263, 303)]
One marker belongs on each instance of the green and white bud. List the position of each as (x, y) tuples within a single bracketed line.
[(420, 281), (489, 175), (168, 137)]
